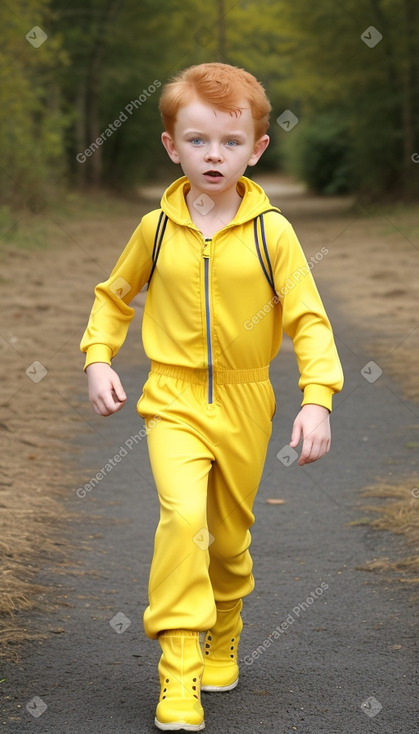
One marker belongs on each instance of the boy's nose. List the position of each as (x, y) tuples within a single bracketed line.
[(214, 153)]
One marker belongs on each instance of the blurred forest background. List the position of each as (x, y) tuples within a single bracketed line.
[(343, 79), (353, 88)]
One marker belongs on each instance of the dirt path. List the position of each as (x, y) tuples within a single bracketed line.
[(350, 644)]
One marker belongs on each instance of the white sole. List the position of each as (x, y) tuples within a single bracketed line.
[(179, 726), (219, 689)]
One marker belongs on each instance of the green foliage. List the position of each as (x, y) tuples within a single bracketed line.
[(317, 152), (31, 120), (371, 91), (358, 106)]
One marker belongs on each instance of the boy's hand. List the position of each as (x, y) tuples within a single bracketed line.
[(105, 390), (312, 424)]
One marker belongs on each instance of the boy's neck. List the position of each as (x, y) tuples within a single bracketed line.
[(219, 209)]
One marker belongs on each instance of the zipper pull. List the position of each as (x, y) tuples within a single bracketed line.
[(206, 248)]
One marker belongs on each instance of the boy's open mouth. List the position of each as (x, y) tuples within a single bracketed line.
[(213, 174)]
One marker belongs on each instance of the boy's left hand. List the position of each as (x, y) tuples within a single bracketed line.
[(313, 425)]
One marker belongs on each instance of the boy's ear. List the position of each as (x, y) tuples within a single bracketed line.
[(169, 144), (260, 147)]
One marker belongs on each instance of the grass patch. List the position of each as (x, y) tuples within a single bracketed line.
[(398, 211), (37, 225), (28, 533), (401, 364), (400, 217), (399, 514)]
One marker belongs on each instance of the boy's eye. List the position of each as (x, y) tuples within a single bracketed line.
[(232, 143), (196, 141)]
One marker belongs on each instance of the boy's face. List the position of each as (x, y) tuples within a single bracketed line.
[(213, 146)]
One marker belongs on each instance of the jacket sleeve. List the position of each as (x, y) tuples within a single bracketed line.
[(111, 314), (304, 319)]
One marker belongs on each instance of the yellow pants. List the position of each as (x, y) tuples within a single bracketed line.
[(207, 461)]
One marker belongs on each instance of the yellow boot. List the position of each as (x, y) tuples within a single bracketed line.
[(180, 671), (221, 671)]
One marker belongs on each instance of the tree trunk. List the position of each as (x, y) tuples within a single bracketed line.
[(79, 135), (93, 83), (221, 45), (411, 85), (94, 162)]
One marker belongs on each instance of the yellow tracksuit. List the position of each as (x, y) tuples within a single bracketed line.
[(212, 324)]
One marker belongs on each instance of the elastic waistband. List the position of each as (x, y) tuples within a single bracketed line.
[(221, 377)]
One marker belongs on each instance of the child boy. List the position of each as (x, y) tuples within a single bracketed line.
[(208, 402)]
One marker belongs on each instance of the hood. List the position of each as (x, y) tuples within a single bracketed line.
[(254, 201)]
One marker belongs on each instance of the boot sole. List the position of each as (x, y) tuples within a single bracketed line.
[(219, 689), (179, 726)]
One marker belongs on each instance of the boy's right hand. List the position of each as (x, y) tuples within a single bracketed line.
[(105, 390)]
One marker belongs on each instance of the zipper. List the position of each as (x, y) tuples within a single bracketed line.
[(206, 256)]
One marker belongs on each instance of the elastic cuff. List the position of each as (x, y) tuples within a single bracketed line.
[(98, 353), (318, 395), (178, 633)]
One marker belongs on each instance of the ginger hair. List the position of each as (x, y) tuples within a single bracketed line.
[(221, 85)]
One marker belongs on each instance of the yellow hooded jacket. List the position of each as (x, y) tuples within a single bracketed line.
[(209, 304)]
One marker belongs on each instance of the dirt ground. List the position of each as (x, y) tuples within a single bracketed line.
[(51, 261)]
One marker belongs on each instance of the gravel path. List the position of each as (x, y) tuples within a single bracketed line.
[(325, 647)]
